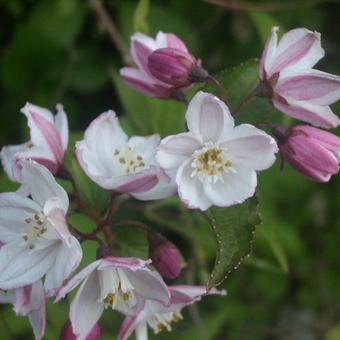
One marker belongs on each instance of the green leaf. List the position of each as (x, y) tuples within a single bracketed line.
[(238, 83), (234, 229), (333, 333), (139, 19), (146, 115), (131, 241)]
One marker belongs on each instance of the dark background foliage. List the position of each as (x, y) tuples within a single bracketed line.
[(57, 51)]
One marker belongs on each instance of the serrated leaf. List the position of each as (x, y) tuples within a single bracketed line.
[(238, 83), (234, 229)]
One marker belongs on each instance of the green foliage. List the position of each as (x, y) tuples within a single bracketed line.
[(234, 229), (141, 13)]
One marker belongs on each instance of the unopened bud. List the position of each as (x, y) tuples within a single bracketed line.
[(67, 332), (176, 67), (166, 258), (312, 152)]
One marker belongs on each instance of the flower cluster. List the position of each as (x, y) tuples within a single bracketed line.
[(211, 163)]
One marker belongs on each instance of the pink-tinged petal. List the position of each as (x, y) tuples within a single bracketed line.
[(75, 280), (144, 83), (22, 305), (85, 309), (37, 316), (190, 189), (174, 42), (316, 87), (268, 53), (127, 327), (174, 150), (310, 159), (246, 143), (149, 284), (298, 48), (141, 47), (61, 124), (236, 188), (328, 140), (130, 263), (21, 267), (43, 131), (42, 184), (196, 291), (320, 116), (67, 260), (54, 209), (67, 332), (38, 154), (208, 117), (7, 156), (101, 138)]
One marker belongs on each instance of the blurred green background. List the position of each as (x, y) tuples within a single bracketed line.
[(58, 51)]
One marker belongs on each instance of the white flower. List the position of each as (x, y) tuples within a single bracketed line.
[(115, 162), (121, 283), (29, 301), (215, 162), (159, 316), (47, 145), (35, 233)]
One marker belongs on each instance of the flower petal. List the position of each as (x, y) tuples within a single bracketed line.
[(209, 117), (298, 48), (22, 267), (7, 155), (131, 263), (145, 146), (42, 184), (75, 280), (251, 147), (316, 87), (67, 260), (174, 150), (61, 125), (43, 131), (268, 53), (190, 189), (237, 187), (320, 116), (127, 327), (85, 309)]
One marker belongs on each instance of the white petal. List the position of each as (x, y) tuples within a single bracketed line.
[(42, 184), (174, 150), (251, 147), (75, 280), (209, 117), (236, 188), (268, 53), (85, 309), (190, 189), (145, 146), (61, 124), (67, 260), (7, 155), (22, 266)]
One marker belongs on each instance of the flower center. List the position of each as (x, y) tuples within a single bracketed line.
[(129, 160), (210, 163), (116, 289), (37, 230), (161, 322)]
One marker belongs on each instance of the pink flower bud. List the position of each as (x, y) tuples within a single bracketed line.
[(67, 332), (312, 152), (175, 67), (165, 257)]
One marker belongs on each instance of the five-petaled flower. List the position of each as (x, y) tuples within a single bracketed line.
[(141, 78), (126, 165), (159, 316), (29, 301), (290, 82), (35, 234), (121, 283), (216, 162), (47, 145)]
